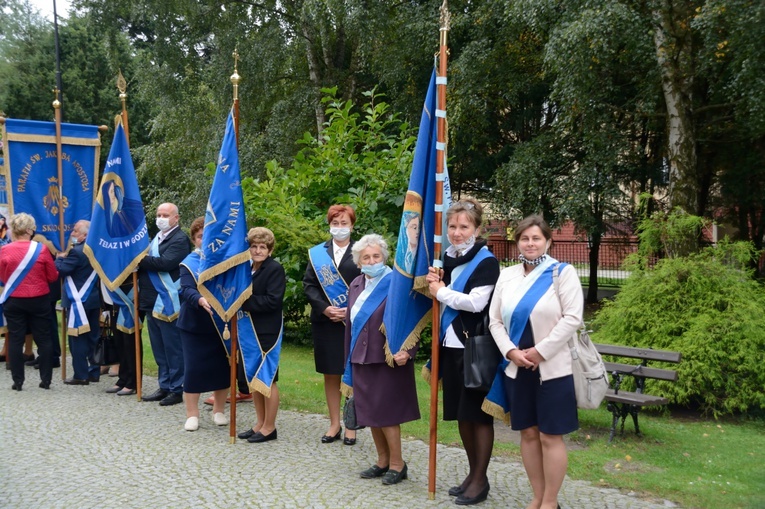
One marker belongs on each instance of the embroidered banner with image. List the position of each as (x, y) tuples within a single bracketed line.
[(31, 171)]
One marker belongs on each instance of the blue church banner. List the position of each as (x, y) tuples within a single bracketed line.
[(32, 174)]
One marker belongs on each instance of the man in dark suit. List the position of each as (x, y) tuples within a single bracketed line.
[(158, 276), (83, 305)]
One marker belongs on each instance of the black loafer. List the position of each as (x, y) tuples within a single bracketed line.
[(244, 435), (373, 471), (171, 399), (463, 500), (16, 387), (76, 381), (393, 477), (157, 395), (326, 439), (456, 491), (259, 437), (45, 384)]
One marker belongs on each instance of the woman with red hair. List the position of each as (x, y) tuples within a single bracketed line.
[(330, 270)]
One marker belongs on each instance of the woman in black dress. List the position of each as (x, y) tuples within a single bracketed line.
[(330, 270), (206, 366), (465, 288)]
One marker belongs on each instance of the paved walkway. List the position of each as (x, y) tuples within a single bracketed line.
[(77, 447)]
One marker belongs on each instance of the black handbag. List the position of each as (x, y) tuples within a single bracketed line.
[(349, 415), (481, 359), (107, 351)]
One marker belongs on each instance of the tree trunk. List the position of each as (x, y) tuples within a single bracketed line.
[(592, 288), (673, 44)]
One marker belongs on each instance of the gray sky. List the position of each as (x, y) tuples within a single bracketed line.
[(46, 7)]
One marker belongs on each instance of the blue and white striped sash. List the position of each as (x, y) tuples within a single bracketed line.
[(167, 305), (78, 319), (517, 308), (372, 300), (459, 280)]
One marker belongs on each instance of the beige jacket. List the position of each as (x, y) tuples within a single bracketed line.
[(552, 326)]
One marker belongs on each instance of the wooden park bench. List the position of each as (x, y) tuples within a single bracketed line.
[(622, 403)]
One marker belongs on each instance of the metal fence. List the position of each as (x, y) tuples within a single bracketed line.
[(611, 257)]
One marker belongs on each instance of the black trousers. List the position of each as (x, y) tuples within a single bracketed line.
[(128, 367), (33, 314)]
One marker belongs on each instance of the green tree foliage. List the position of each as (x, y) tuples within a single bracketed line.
[(362, 159), (704, 305), (90, 62)]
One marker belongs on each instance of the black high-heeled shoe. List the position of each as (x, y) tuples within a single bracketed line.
[(463, 500), (327, 439)]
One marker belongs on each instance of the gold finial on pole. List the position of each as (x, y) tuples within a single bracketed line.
[(445, 16), (235, 77), (122, 87), (56, 102)]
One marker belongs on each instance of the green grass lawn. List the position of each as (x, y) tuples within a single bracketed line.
[(695, 462)]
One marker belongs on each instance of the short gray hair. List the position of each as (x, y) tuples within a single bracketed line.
[(364, 242)]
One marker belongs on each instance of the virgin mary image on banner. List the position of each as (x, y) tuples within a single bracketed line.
[(123, 215), (409, 233)]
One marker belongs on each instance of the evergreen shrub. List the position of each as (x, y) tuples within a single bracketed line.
[(707, 306)]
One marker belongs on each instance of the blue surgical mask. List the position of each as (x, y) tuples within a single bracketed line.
[(373, 270)]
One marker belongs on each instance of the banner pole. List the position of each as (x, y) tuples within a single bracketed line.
[(438, 232), (122, 87), (233, 390), (62, 247)]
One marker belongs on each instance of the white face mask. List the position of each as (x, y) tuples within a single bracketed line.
[(465, 246), (340, 233), (163, 223)]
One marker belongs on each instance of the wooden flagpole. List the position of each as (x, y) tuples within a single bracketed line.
[(59, 167), (438, 233), (234, 331), (122, 87)]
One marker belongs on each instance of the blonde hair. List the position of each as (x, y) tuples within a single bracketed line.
[(21, 223)]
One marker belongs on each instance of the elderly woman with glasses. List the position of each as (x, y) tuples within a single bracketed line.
[(385, 396)]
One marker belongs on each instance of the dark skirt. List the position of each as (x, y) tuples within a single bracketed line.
[(206, 366), (329, 347), (550, 405), (460, 403), (385, 396)]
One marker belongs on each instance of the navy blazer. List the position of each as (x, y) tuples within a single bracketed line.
[(77, 265), (172, 251), (266, 303), (312, 287), (193, 318), (370, 346)]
